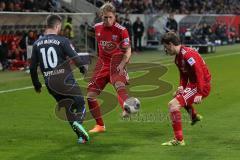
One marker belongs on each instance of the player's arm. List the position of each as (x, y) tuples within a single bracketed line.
[(33, 71), (70, 52), (126, 49), (182, 84), (126, 56), (193, 61), (183, 79)]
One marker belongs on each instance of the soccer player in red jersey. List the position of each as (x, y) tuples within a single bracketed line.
[(114, 52), (194, 84)]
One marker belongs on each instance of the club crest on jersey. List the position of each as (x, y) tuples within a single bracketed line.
[(114, 37), (191, 61), (98, 34)]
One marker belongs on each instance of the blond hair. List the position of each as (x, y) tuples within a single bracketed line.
[(107, 7)]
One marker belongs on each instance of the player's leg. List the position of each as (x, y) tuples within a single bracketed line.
[(182, 99), (140, 43), (119, 82), (122, 94), (135, 43), (175, 115), (191, 111), (94, 89), (74, 111), (77, 112), (96, 112), (121, 90), (188, 96), (194, 116), (189, 93)]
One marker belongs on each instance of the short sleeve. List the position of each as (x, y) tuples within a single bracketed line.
[(125, 39)]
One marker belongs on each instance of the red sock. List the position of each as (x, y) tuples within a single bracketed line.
[(95, 111), (177, 124), (122, 95), (191, 111), (120, 101)]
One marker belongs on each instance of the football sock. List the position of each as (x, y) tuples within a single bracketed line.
[(122, 95), (120, 101), (95, 111), (191, 111), (177, 124)]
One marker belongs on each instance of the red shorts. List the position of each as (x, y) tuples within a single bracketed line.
[(105, 74), (190, 92)]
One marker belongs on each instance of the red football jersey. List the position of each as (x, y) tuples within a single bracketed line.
[(192, 69), (111, 41)]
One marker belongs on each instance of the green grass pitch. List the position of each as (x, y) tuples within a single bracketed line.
[(29, 129)]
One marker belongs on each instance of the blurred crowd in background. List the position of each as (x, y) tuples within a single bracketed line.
[(177, 6), (217, 34), (30, 5), (14, 41)]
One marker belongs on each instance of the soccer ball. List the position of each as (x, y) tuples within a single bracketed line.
[(131, 105)]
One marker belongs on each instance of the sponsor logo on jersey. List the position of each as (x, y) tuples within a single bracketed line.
[(104, 43), (191, 61), (108, 46)]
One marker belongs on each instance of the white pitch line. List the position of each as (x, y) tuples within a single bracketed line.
[(16, 89), (168, 64)]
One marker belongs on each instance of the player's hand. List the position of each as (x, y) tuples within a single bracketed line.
[(38, 87), (38, 90), (179, 90), (198, 99), (121, 69), (83, 69)]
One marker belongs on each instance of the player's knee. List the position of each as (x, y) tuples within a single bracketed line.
[(92, 95), (173, 105), (119, 84)]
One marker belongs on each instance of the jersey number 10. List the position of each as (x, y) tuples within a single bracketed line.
[(50, 59)]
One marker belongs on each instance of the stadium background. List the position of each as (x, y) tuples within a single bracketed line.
[(30, 128)]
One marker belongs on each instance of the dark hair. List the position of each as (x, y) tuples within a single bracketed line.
[(53, 20), (171, 37)]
